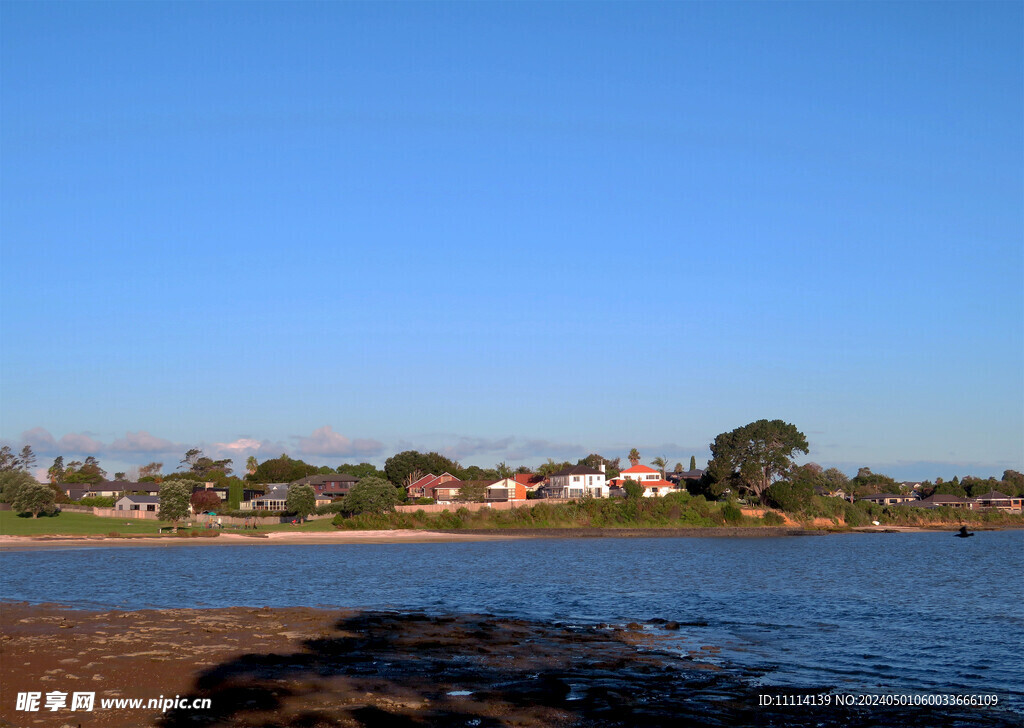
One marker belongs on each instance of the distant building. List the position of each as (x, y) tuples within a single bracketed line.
[(505, 490), (577, 482), (331, 486), (137, 503)]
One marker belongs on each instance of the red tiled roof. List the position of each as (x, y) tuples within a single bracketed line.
[(639, 469)]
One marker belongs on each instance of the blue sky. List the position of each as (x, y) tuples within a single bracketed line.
[(513, 231)]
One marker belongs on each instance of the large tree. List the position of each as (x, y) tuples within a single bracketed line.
[(362, 470), (56, 471), (633, 457), (281, 469), (151, 472), (372, 495), (197, 464), (596, 460), (27, 458), (397, 467), (756, 455), (301, 500), (205, 500), (34, 498), (11, 483), (175, 499), (8, 460), (87, 472)]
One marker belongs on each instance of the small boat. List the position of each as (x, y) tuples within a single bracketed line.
[(963, 533)]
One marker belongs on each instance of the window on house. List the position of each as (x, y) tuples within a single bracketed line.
[(135, 507)]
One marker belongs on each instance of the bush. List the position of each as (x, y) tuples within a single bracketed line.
[(96, 501), (731, 513), (771, 518)]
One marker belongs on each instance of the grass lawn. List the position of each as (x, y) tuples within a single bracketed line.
[(69, 523)]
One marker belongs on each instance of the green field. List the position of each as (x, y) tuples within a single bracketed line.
[(70, 523)]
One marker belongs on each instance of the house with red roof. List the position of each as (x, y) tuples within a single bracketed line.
[(442, 487), (649, 478)]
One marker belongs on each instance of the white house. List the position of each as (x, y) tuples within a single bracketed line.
[(577, 482), (653, 484), (137, 503)]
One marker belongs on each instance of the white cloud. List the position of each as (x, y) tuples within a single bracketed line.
[(326, 442)]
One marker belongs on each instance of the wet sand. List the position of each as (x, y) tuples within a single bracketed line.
[(329, 668)]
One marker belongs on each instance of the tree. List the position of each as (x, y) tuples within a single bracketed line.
[(552, 467), (27, 458), (835, 479), (372, 495), (362, 470), (756, 455), (11, 483), (120, 477), (87, 472), (868, 483), (281, 469), (195, 463), (1014, 481), (660, 464), (475, 472), (175, 497), (8, 460), (205, 500), (594, 460), (472, 491), (633, 489), (503, 470), (56, 471), (398, 466), (301, 500), (151, 472), (34, 498), (693, 463), (633, 457), (678, 468), (251, 464)]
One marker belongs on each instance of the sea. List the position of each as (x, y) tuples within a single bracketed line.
[(878, 613)]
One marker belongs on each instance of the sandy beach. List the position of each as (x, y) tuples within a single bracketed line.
[(280, 538)]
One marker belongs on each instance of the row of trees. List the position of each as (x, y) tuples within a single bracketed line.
[(747, 460)]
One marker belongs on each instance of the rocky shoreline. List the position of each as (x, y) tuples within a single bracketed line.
[(308, 667)]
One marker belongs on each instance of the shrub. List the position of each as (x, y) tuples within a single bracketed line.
[(731, 513), (771, 518)]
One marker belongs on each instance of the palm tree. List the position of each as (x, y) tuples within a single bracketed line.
[(660, 464), (633, 457), (251, 464)]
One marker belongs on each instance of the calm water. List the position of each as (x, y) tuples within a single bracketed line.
[(891, 613)]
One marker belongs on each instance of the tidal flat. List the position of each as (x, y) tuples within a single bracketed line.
[(293, 667)]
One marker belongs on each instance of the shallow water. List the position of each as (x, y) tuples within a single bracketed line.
[(890, 613)]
